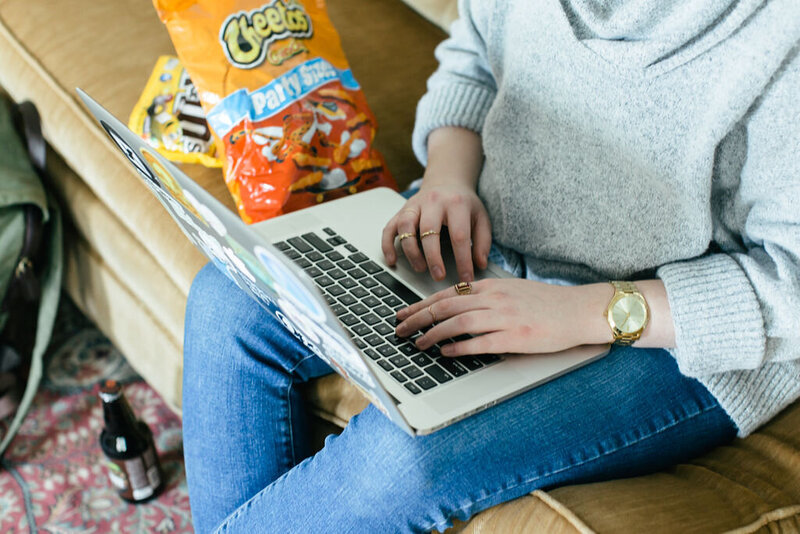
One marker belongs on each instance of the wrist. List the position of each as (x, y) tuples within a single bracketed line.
[(592, 325)]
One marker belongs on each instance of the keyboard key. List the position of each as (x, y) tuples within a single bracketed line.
[(326, 265), (394, 285), (392, 301), (383, 329), (486, 359), (387, 350), (452, 366), (413, 388), (470, 363), (338, 310), (336, 274), (359, 309), (347, 299), (371, 267), (281, 245), (412, 372), (348, 283), (357, 273), (399, 361), (369, 282), (379, 291), (323, 281), (329, 231), (317, 243), (360, 344), (314, 256), (336, 240), (395, 340), (371, 301), (334, 255), (371, 319), (360, 292), (425, 383), (336, 290), (374, 340), (345, 264), (299, 244), (391, 319), (372, 354), (421, 360), (349, 319), (330, 300), (385, 365), (313, 272), (303, 263), (384, 311), (400, 377), (408, 349), (350, 247), (358, 257), (292, 254), (362, 330), (438, 374)]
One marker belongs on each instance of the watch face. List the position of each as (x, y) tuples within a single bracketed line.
[(629, 314)]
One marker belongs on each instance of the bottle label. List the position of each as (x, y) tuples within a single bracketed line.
[(135, 479)]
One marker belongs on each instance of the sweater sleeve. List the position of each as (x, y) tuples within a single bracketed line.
[(462, 89), (740, 309)]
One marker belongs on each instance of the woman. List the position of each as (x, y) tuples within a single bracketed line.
[(573, 142)]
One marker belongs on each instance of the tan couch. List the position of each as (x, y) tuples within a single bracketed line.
[(129, 268)]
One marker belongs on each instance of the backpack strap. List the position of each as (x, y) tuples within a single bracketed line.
[(29, 123)]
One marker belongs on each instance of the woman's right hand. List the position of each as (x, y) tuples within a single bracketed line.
[(454, 205)]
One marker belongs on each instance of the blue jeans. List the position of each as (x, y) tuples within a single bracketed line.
[(249, 467)]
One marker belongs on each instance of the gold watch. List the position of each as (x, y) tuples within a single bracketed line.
[(627, 313)]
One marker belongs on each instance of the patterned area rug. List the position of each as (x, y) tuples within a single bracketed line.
[(53, 477)]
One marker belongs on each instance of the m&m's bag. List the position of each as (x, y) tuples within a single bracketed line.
[(279, 95)]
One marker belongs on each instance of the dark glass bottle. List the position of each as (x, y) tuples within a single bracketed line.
[(133, 466)]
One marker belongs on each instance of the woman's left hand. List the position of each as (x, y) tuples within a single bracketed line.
[(510, 316)]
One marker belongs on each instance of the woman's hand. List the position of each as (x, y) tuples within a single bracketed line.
[(447, 198), (510, 316), (456, 206)]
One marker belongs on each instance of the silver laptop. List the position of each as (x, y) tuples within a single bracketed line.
[(321, 272)]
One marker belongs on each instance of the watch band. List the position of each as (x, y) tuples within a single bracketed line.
[(620, 337)]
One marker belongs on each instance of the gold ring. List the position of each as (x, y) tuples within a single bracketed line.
[(433, 315), (405, 236), (463, 288), (429, 232)]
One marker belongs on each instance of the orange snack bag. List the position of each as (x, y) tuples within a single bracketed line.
[(279, 95)]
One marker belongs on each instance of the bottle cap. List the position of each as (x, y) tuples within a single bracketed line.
[(110, 390)]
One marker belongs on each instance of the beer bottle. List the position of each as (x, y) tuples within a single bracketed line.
[(133, 466)]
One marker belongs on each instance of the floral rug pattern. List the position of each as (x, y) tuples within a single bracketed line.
[(53, 477)]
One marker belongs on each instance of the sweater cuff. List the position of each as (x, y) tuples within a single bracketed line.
[(462, 105), (718, 321)]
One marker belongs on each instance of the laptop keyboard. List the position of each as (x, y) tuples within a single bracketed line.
[(366, 298)]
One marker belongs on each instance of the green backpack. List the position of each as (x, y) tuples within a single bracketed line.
[(30, 261)]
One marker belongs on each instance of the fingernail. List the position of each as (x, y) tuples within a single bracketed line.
[(437, 272), (401, 330), (420, 341), (447, 350)]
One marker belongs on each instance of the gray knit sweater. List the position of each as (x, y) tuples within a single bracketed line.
[(626, 139)]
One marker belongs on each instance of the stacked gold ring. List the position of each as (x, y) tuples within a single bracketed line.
[(405, 236), (429, 232)]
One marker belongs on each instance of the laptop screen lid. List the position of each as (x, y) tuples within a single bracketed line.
[(254, 265)]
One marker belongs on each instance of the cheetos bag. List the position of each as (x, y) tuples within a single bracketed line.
[(280, 97)]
